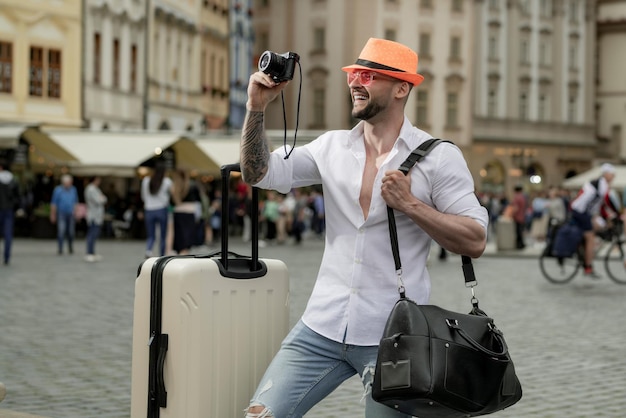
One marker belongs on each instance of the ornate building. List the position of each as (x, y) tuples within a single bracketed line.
[(511, 82), (188, 65), (114, 64), (610, 82), (533, 92), (40, 62)]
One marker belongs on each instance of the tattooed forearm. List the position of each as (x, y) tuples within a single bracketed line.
[(255, 150)]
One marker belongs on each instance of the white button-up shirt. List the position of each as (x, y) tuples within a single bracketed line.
[(356, 285)]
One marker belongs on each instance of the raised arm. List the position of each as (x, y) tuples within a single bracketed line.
[(255, 147)]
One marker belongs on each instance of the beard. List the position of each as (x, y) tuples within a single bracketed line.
[(369, 111)]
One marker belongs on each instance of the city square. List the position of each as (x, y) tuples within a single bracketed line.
[(67, 330)]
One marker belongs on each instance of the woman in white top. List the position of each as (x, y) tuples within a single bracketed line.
[(155, 193)]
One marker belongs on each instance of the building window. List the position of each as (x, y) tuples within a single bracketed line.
[(571, 110), (97, 51), (116, 63), (546, 8), (493, 47), (319, 39), (542, 53), (422, 107), (223, 82), (45, 72), (133, 68), (212, 70), (494, 4), (573, 57), (492, 104), (426, 4), (35, 87), (573, 10), (457, 6), (6, 67), (54, 73), (390, 34), (452, 103), (455, 48), (524, 52), (319, 101), (424, 47), (523, 107), (541, 110)]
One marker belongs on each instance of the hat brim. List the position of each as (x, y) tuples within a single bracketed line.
[(415, 79)]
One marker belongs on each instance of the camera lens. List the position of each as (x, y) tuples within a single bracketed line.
[(265, 61)]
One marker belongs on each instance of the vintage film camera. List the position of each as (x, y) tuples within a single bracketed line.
[(279, 66)]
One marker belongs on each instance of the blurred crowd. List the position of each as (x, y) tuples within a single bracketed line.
[(535, 213)]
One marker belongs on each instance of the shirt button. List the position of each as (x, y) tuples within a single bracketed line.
[(357, 260)]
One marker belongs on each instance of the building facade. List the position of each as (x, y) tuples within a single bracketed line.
[(534, 92), (40, 62), (241, 59), (114, 58), (187, 75), (611, 83), (511, 82)]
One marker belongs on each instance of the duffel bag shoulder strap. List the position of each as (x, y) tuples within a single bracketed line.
[(417, 155)]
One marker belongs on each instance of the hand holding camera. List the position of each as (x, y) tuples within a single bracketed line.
[(274, 70), (279, 66)]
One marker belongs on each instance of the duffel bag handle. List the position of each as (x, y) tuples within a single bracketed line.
[(454, 324)]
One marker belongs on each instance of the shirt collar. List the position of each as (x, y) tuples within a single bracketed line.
[(409, 134)]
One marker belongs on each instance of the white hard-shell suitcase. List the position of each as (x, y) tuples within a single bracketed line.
[(205, 328)]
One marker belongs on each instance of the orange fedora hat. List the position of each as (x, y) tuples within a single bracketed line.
[(390, 58)]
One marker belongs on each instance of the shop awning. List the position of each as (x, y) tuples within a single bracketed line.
[(10, 136), (110, 153), (619, 182), (221, 151), (44, 151)]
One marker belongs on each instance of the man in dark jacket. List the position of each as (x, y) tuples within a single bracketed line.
[(9, 198)]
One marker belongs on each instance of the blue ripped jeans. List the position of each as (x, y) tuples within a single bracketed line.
[(307, 368)]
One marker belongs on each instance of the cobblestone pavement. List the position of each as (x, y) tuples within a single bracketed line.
[(66, 331)]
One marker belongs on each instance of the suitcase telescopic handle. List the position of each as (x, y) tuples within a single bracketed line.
[(257, 268)]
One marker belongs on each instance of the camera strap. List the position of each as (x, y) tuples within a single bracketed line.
[(282, 97)]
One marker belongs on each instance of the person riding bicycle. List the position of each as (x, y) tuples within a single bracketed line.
[(610, 211), (587, 204)]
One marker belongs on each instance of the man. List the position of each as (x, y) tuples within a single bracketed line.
[(95, 201), (356, 286), (586, 205), (62, 210), (9, 198)]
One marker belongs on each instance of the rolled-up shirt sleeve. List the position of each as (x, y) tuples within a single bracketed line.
[(299, 170)]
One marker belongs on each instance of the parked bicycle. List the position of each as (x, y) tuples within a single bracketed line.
[(561, 270)]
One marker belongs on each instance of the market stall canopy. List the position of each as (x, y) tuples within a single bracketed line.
[(619, 182), (112, 153), (10, 134), (221, 150), (45, 152)]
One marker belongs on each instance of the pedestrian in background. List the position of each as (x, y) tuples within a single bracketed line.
[(9, 198), (62, 212), (519, 206), (187, 212), (155, 193), (95, 201), (270, 214), (557, 212)]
